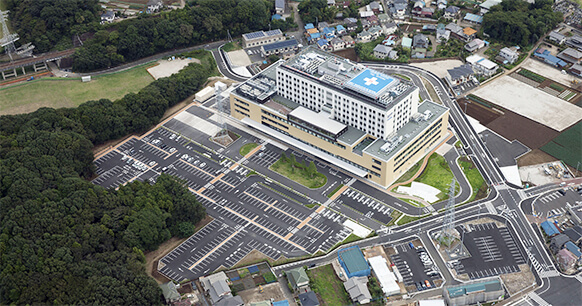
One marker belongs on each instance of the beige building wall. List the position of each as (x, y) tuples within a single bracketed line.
[(404, 159)]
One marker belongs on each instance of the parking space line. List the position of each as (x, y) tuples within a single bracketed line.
[(170, 154), (199, 169), (205, 197), (213, 250)]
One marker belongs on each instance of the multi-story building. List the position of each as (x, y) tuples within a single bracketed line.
[(361, 120), (260, 38)]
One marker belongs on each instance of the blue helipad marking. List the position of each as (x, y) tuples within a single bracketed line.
[(372, 81)]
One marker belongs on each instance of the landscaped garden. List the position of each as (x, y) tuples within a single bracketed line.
[(305, 175), (438, 175), (475, 179)]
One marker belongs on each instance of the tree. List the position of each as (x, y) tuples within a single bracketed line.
[(284, 157), (293, 162), (311, 169)]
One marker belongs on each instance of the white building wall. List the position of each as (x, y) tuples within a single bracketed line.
[(371, 119)]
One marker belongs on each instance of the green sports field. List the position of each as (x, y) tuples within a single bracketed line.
[(63, 92)]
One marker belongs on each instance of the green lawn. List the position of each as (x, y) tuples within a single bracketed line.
[(231, 46), (298, 173), (244, 150), (328, 286), (437, 174), (475, 179), (329, 195), (406, 218), (62, 92)]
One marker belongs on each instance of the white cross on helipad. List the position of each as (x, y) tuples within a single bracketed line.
[(371, 81)]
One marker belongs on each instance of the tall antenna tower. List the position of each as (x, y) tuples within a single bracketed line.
[(449, 219), (220, 107), (7, 40)]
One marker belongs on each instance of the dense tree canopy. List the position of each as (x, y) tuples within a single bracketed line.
[(64, 240), (520, 22), (48, 23), (206, 20)]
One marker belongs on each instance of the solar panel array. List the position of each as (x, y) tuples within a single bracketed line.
[(254, 35)]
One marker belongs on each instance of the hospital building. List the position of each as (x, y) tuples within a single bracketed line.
[(361, 120)]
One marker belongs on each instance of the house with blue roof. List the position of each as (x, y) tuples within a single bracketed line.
[(574, 249), (550, 228), (313, 37), (329, 32), (309, 26), (323, 44), (544, 55), (340, 29), (477, 19)]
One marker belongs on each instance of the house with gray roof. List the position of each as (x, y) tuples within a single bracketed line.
[(279, 6), (570, 55), (382, 51), (170, 292), (390, 28), (358, 290), (216, 287), (557, 37), (420, 41), (558, 242), (442, 35), (460, 75), (231, 301), (452, 12), (297, 278), (308, 299)]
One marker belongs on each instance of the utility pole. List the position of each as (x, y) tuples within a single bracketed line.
[(449, 219)]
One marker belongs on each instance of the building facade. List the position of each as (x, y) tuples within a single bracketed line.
[(361, 120), (260, 38)]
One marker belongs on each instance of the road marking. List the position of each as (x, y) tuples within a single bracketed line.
[(213, 250), (207, 173), (253, 151), (214, 180), (207, 198)]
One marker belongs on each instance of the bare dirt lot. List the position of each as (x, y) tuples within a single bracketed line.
[(511, 125), (239, 58), (167, 68), (531, 103), (548, 71), (270, 291), (439, 67), (348, 53)]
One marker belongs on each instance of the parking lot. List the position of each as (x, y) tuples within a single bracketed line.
[(250, 212), (555, 203), (415, 271), (366, 205), (492, 250)]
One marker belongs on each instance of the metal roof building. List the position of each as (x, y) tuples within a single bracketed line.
[(549, 228), (469, 294), (353, 262), (473, 18)]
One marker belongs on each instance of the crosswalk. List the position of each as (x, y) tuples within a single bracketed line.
[(549, 197), (490, 207), (538, 299)]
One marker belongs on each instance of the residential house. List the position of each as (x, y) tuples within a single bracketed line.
[(398, 9), (442, 35), (297, 278), (549, 228), (457, 32), (508, 54), (153, 6), (576, 69), (330, 2), (441, 4), (566, 259), (544, 55), (170, 292), (429, 27), (346, 4), (337, 44), (340, 29), (574, 249), (570, 55), (357, 289), (373, 20), (364, 36), (376, 31), (557, 37), (406, 43), (231, 301), (460, 75), (308, 299), (279, 6), (216, 287), (349, 41), (420, 41), (390, 28), (472, 18), (390, 40), (452, 12), (426, 12), (309, 26), (322, 25), (329, 32), (418, 53), (575, 233), (486, 6), (366, 13), (383, 18), (482, 66), (314, 38), (382, 51), (474, 45), (108, 16), (366, 24), (470, 33), (418, 5), (557, 242), (376, 7), (350, 24), (323, 44)]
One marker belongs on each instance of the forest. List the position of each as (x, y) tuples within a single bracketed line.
[(64, 240), (128, 40), (519, 22)]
